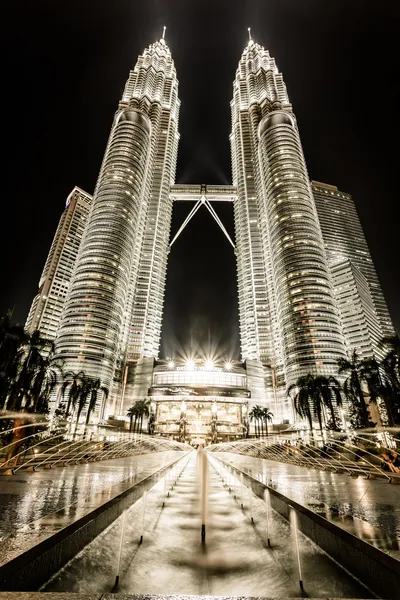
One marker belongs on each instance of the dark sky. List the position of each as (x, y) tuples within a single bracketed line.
[(64, 68)]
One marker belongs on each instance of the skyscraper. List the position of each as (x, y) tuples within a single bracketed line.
[(307, 288), (288, 316), (113, 308), (344, 239), (360, 324), (46, 309)]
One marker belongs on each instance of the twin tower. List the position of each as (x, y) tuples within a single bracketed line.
[(289, 322)]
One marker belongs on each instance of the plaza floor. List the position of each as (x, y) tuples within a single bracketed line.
[(235, 559)]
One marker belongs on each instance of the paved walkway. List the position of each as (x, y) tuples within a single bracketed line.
[(367, 508), (235, 559), (33, 506)]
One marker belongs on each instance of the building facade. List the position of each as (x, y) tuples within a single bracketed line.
[(344, 241), (108, 319), (307, 288), (196, 401), (289, 320), (47, 306), (361, 328)]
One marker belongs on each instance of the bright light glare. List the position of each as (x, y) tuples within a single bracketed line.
[(190, 365), (171, 364), (228, 365), (209, 364)]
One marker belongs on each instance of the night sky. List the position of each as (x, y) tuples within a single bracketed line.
[(64, 68)]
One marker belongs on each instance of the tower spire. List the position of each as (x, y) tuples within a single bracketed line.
[(249, 31), (163, 33)]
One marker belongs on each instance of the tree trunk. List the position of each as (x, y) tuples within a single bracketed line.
[(320, 421), (266, 427), (333, 416), (364, 408), (134, 425)]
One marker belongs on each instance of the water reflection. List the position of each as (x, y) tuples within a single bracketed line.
[(369, 509), (35, 505), (234, 560)]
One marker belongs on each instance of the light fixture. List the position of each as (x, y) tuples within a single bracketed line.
[(228, 365), (171, 364), (209, 364), (190, 365)]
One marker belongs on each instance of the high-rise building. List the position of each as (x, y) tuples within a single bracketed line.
[(358, 316), (113, 309), (344, 240), (45, 312), (288, 315), (304, 271)]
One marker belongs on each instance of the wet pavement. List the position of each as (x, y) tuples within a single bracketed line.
[(369, 509), (33, 506), (235, 559)]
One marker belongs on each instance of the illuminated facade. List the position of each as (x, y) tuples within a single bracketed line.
[(361, 329), (294, 252), (288, 316), (47, 306), (107, 318), (200, 402), (345, 242)]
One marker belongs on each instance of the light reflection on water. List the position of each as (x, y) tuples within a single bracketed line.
[(369, 509), (235, 559), (35, 505)]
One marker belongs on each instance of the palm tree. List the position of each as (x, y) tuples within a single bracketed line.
[(132, 413), (256, 415), (43, 383), (12, 338), (352, 387), (303, 399), (378, 386), (393, 345), (253, 416), (391, 374), (83, 392), (31, 362), (143, 408), (313, 394), (73, 382), (94, 386), (330, 391), (266, 416)]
